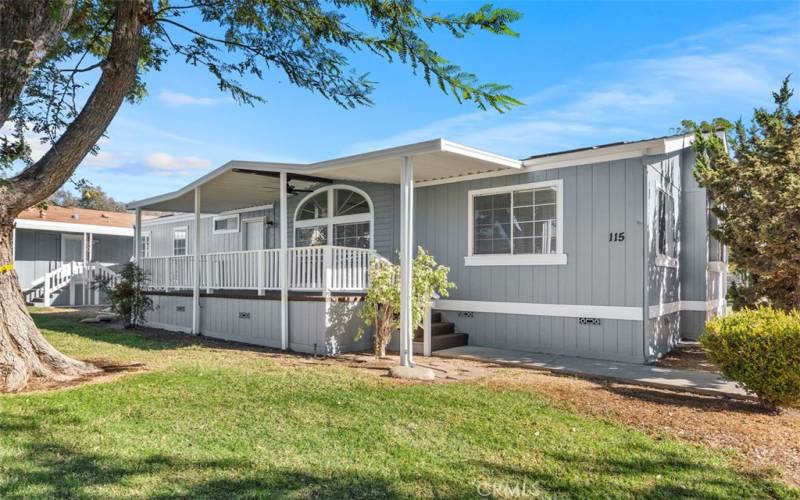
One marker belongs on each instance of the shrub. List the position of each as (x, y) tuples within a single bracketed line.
[(382, 304), (760, 349), (126, 294)]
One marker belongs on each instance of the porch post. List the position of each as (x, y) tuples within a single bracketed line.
[(283, 265), (137, 237), (14, 243), (406, 259), (196, 270), (85, 284)]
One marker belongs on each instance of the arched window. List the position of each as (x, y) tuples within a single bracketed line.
[(337, 215)]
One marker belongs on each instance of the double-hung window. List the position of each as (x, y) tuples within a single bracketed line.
[(146, 246), (516, 225), (179, 241)]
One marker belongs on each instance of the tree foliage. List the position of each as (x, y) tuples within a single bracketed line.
[(309, 41), (382, 304), (127, 295), (66, 67), (755, 193), (91, 197)]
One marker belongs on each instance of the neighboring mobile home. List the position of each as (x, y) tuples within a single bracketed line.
[(59, 252), (602, 252)]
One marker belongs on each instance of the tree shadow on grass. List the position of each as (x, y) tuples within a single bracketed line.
[(687, 400), (126, 338), (49, 470)]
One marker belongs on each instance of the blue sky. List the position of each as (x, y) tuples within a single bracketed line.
[(588, 72)]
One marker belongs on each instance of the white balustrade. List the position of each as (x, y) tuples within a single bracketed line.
[(318, 268)]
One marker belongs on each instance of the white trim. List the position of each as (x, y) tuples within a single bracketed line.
[(149, 236), (170, 219), (175, 230), (225, 217), (528, 309), (666, 261), (542, 259), (586, 157), (663, 260), (718, 266), (658, 310), (69, 227), (511, 259), (332, 220)]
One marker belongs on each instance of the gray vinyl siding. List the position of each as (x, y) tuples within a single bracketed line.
[(112, 249), (315, 327), (162, 231), (385, 200), (38, 252), (598, 199)]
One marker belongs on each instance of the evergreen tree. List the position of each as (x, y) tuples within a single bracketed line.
[(752, 175)]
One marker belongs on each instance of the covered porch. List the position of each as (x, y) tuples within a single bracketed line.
[(322, 264)]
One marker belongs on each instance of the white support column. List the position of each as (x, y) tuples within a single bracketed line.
[(137, 237), (426, 331), (90, 270), (196, 270), (406, 259), (84, 273), (14, 244), (283, 266)]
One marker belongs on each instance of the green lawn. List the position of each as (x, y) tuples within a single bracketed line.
[(214, 423)]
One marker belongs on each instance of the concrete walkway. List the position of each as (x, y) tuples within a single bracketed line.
[(698, 382)]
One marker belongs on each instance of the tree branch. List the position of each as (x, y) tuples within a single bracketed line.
[(38, 181)]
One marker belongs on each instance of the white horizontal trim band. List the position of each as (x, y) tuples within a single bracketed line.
[(69, 227), (549, 259), (527, 309), (717, 266), (658, 310)]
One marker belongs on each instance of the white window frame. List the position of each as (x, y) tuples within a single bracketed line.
[(332, 220), (663, 260), (185, 229), (510, 259), (149, 247), (225, 217)]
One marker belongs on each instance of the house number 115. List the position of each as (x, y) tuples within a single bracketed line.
[(616, 236)]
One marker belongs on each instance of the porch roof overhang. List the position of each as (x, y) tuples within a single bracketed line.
[(242, 184)]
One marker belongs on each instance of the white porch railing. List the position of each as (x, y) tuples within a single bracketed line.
[(69, 275), (319, 268)]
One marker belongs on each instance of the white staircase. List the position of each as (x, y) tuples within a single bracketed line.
[(71, 274)]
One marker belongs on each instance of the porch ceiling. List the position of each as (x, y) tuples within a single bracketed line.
[(239, 184)]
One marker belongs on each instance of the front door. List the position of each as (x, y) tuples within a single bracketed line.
[(71, 248), (254, 234)]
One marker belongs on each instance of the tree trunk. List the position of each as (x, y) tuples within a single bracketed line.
[(24, 353)]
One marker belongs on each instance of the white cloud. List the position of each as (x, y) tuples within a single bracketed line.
[(724, 72), (180, 99), (166, 164)]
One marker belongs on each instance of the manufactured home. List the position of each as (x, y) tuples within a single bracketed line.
[(60, 252), (602, 252)]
